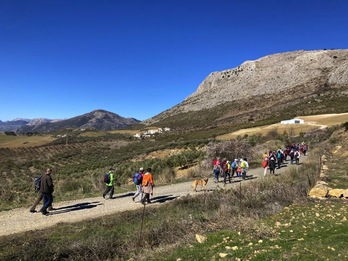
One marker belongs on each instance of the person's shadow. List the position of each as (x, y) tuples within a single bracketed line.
[(75, 207)]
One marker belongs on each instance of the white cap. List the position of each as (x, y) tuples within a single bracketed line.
[(141, 169)]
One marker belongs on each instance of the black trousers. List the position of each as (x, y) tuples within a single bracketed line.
[(107, 190)]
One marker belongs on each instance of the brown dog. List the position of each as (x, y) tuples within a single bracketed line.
[(200, 182)]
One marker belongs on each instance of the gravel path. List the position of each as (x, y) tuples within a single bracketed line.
[(20, 219)]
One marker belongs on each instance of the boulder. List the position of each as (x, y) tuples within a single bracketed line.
[(336, 193), (319, 191)]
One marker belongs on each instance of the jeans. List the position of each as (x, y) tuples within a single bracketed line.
[(48, 199)]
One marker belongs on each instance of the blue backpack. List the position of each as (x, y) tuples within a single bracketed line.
[(137, 178), (107, 178)]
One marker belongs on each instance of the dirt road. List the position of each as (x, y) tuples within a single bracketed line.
[(20, 219)]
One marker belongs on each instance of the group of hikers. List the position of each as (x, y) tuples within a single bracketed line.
[(270, 161), (143, 181), (224, 168), (275, 159)]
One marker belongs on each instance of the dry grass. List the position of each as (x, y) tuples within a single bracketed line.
[(7, 141), (311, 123)]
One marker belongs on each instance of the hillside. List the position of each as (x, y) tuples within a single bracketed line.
[(269, 89), (96, 120)]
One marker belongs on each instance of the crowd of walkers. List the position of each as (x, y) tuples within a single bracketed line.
[(276, 159), (227, 170), (271, 161)]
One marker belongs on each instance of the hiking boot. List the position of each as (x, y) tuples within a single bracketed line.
[(103, 196), (46, 213), (51, 208)]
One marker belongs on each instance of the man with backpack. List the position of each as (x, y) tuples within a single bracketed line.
[(46, 189), (137, 179), (109, 180), (37, 184)]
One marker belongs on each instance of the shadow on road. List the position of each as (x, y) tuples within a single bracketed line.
[(75, 207), (162, 199)]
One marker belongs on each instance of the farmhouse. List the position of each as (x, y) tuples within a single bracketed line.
[(293, 121)]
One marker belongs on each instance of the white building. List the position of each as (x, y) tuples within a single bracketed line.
[(293, 121)]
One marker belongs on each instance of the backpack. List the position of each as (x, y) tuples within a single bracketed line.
[(106, 178), (216, 169), (279, 155), (243, 165), (264, 163), (137, 178), (37, 183)]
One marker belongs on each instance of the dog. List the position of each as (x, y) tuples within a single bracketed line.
[(200, 182)]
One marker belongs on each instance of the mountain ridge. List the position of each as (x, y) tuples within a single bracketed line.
[(97, 119), (314, 82), (273, 81)]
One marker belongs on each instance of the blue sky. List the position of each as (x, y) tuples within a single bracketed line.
[(63, 58)]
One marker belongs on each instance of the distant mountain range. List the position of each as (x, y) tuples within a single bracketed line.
[(269, 89), (98, 120)]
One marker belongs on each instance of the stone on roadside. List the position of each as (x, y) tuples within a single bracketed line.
[(319, 191), (200, 238), (336, 193)]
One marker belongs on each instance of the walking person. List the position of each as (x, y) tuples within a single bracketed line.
[(147, 185), (245, 166), (226, 172), (234, 167), (46, 189), (137, 179), (265, 164), (297, 156), (216, 172), (110, 187), (272, 163), (37, 183)]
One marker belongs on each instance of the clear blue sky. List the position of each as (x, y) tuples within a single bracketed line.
[(63, 58)]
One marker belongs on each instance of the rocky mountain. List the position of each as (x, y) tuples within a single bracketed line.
[(98, 120), (270, 88), (12, 125)]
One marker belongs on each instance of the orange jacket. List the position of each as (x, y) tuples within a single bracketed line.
[(147, 178)]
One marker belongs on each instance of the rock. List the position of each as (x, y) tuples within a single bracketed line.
[(200, 238), (322, 176), (319, 191), (321, 182), (345, 193), (336, 193)]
